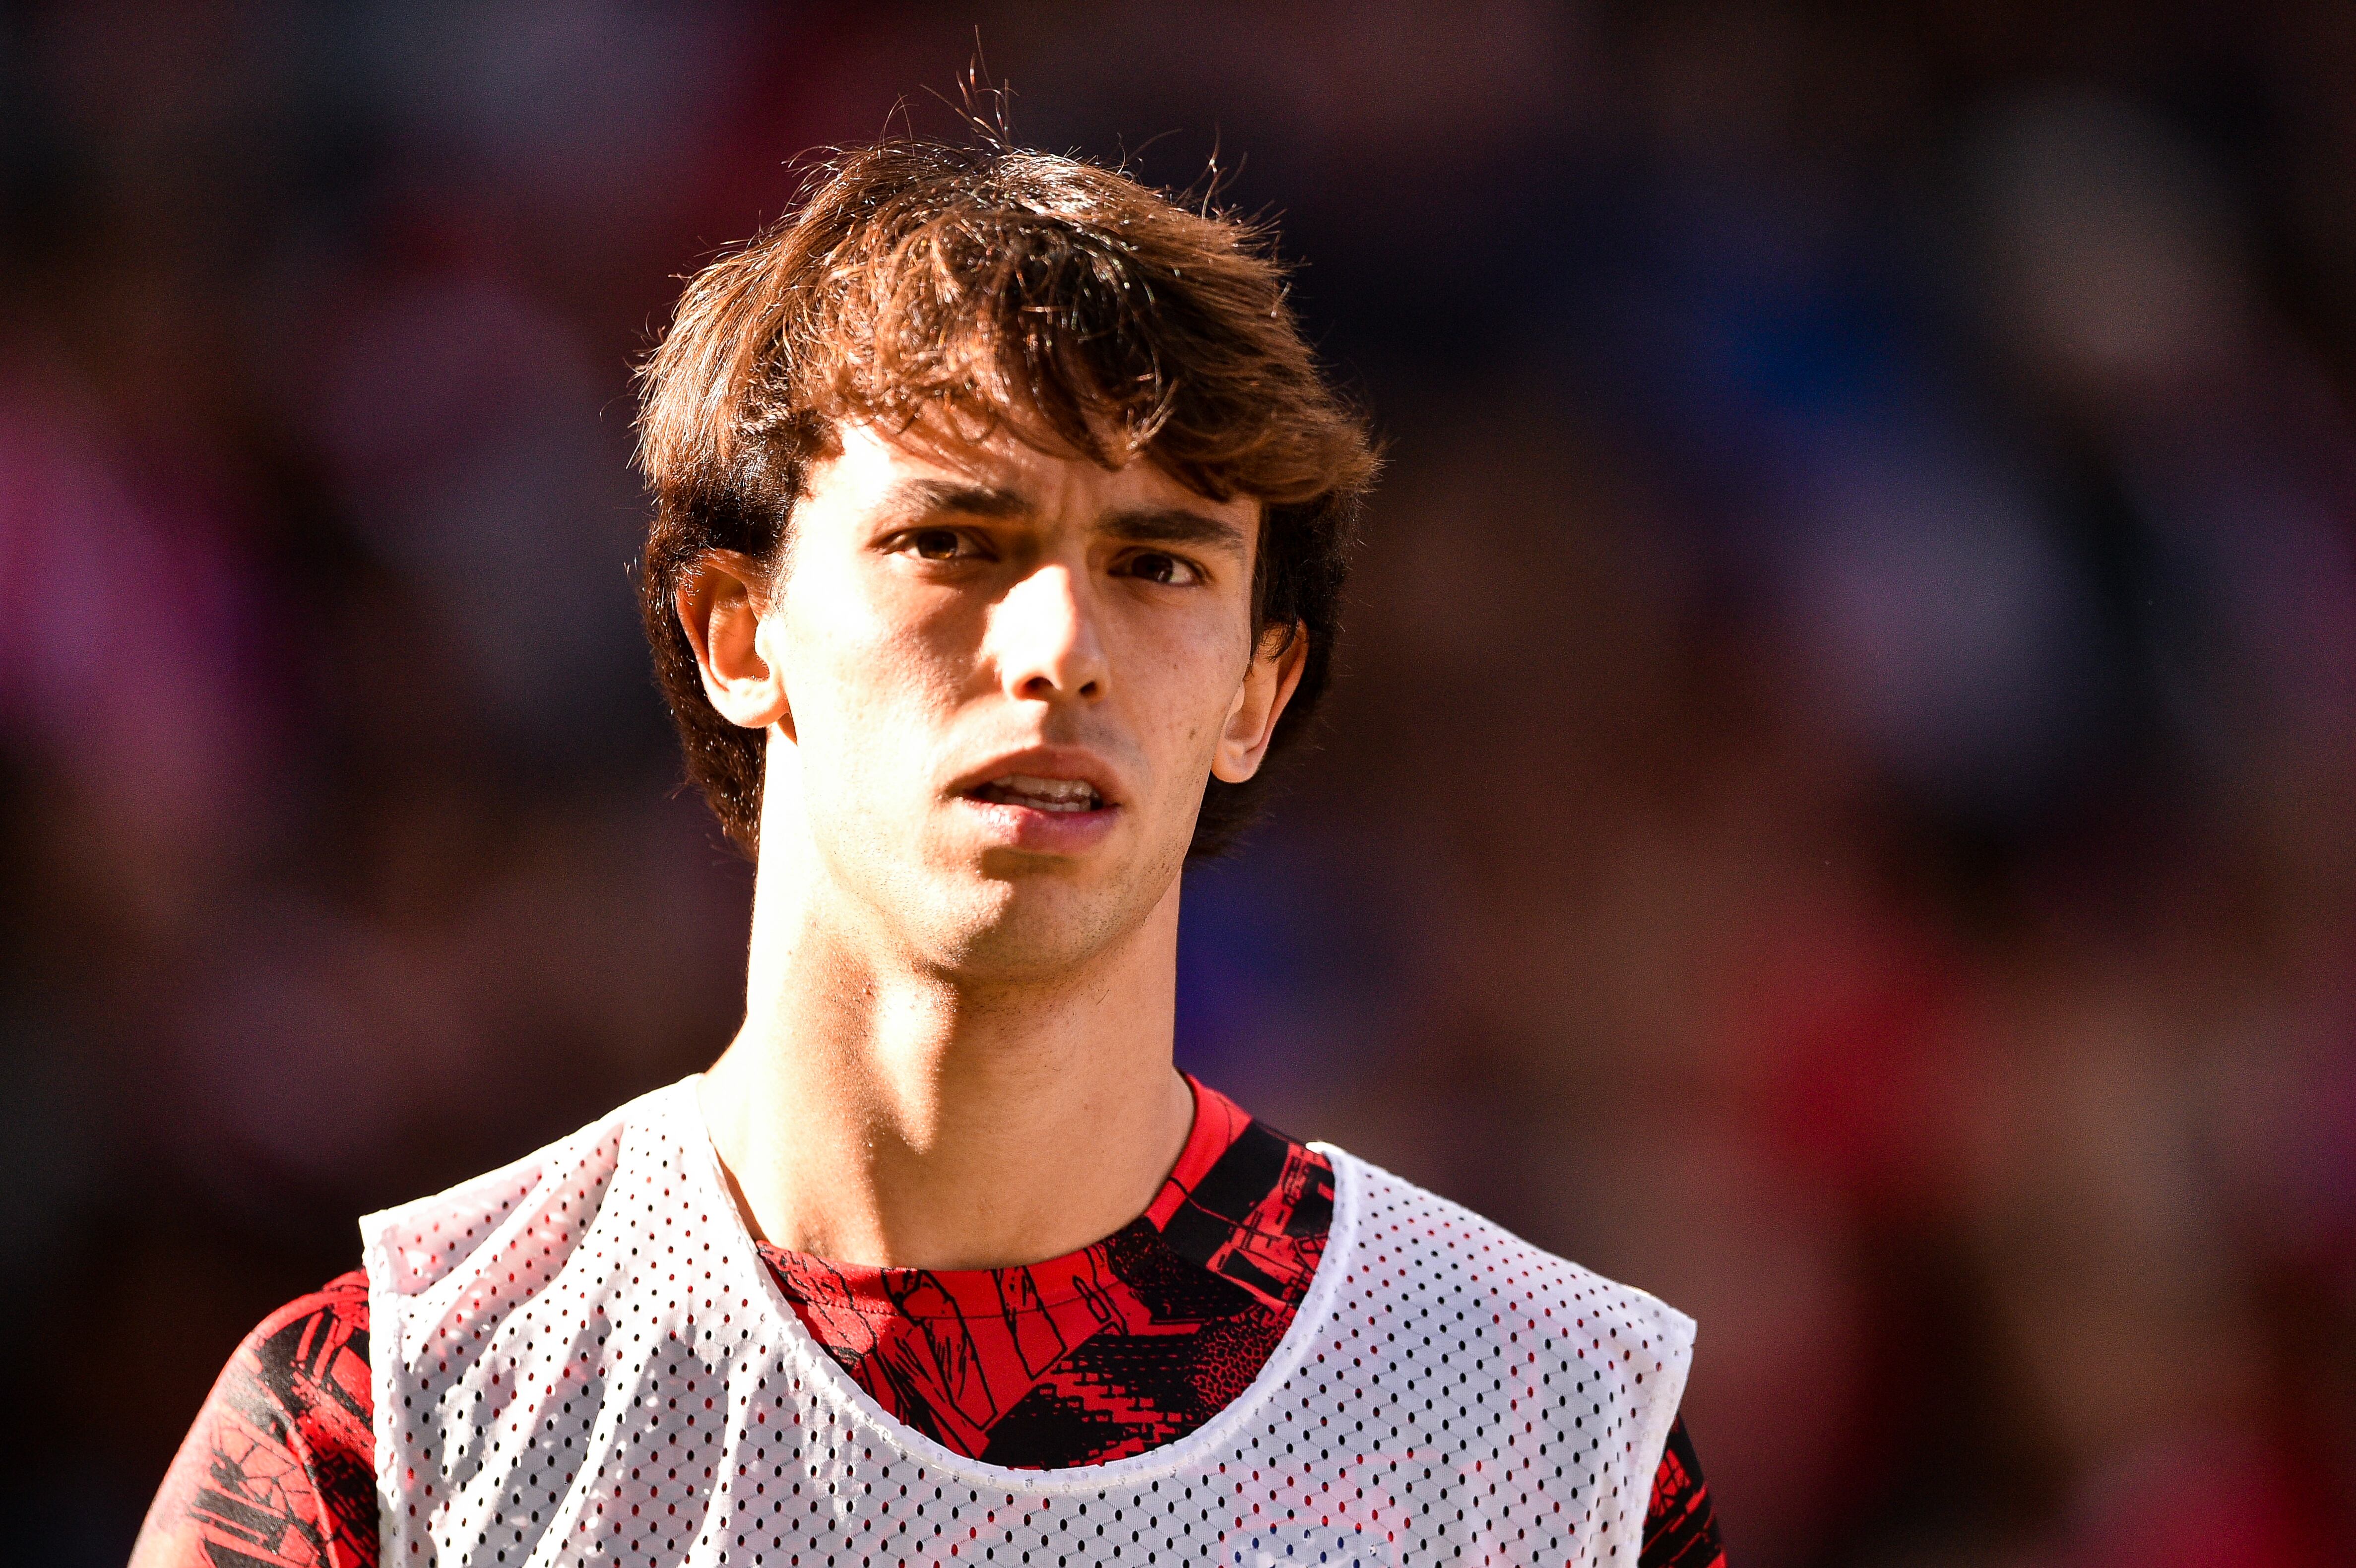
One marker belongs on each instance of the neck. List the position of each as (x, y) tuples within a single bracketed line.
[(876, 1111)]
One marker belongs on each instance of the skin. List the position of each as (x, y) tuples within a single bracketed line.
[(957, 1044)]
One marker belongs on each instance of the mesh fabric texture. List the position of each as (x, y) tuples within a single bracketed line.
[(581, 1359)]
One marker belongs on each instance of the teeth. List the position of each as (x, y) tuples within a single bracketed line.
[(1041, 794)]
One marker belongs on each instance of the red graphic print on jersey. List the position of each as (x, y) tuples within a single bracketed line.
[(1121, 1345), (280, 1469), (1680, 1529)]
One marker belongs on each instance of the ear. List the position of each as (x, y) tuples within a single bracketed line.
[(720, 602), (1267, 686)]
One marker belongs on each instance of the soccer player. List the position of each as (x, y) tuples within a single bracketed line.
[(1001, 520)]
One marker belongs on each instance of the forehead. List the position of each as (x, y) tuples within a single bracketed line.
[(874, 471)]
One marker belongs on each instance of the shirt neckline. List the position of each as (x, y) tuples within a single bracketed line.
[(692, 1137), (881, 1293)]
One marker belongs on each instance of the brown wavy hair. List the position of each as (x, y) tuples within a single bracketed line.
[(977, 289)]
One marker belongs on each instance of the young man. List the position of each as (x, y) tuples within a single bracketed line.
[(1000, 521)]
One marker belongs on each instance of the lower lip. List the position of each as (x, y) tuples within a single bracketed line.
[(1038, 832)]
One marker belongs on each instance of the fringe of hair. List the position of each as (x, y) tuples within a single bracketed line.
[(977, 289)]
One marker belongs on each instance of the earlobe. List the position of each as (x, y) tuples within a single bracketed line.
[(1267, 686), (719, 604)]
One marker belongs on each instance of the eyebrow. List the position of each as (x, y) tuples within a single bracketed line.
[(917, 497), (1152, 525), (1175, 525)]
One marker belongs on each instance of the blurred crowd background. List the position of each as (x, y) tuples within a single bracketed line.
[(1838, 810)]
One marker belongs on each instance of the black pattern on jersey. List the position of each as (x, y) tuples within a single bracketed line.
[(1116, 1349)]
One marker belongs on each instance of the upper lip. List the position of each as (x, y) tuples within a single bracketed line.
[(1048, 763)]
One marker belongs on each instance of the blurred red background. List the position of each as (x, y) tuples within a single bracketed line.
[(1838, 810)]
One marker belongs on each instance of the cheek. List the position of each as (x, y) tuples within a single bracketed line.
[(876, 675), (1188, 684)]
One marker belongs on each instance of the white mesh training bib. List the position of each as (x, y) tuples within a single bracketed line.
[(582, 1359)]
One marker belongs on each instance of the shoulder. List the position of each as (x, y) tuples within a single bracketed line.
[(314, 1351), (1440, 1312), (546, 1196), (336, 1311), (1445, 1262), (279, 1464)]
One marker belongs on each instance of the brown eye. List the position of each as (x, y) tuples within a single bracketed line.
[(1155, 567), (937, 544)]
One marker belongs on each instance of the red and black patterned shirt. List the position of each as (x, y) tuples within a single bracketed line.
[(1125, 1345)]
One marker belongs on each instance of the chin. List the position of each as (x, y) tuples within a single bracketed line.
[(1013, 923)]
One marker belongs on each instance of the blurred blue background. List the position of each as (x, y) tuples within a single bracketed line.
[(1838, 810)]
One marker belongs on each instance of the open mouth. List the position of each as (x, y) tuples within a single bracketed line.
[(1039, 793)]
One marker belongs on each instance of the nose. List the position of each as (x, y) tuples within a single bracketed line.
[(1044, 637)]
